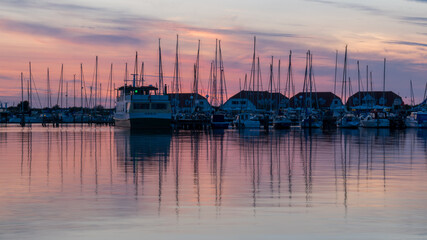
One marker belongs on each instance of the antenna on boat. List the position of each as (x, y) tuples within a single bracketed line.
[(135, 72)]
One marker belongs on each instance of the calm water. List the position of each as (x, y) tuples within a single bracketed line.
[(104, 183)]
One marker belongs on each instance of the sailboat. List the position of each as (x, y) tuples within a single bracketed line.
[(247, 120), (218, 119), (348, 120), (377, 119), (310, 120), (280, 120)]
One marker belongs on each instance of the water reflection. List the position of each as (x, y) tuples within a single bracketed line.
[(116, 174)]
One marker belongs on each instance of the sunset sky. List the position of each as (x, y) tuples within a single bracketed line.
[(51, 33)]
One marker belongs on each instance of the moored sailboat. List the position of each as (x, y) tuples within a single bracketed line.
[(348, 121)]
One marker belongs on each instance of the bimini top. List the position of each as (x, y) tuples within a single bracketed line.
[(130, 90)]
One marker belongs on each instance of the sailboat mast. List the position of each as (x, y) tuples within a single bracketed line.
[(305, 85), (142, 74), (28, 92), (215, 74), (425, 92), (161, 90), (310, 79), (176, 78), (278, 77), (74, 91), (358, 80), (221, 77), (384, 83), (66, 95), (111, 85), (367, 84), (210, 83), (372, 89), (412, 94), (81, 86), (198, 67), (344, 78), (61, 86), (336, 68), (48, 89), (177, 68), (30, 99), (253, 67), (22, 92), (271, 84), (100, 94), (196, 75), (289, 77), (96, 80), (245, 83), (258, 80)]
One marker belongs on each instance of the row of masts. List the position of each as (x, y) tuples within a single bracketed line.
[(217, 95), (90, 96), (346, 87), (87, 100)]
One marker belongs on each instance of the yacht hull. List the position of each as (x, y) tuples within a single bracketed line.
[(282, 124), (375, 123), (144, 123), (220, 125)]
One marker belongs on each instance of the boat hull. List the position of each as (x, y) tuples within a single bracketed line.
[(248, 124), (375, 123), (220, 125), (311, 123), (410, 123), (349, 124), (144, 123), (282, 125)]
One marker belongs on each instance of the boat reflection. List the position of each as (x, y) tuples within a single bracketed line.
[(142, 145)]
